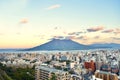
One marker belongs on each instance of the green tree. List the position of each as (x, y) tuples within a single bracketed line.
[(54, 77)]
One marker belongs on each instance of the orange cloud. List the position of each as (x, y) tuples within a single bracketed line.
[(24, 21)]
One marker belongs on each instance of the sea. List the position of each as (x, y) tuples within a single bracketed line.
[(51, 51)]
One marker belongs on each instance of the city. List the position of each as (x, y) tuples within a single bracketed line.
[(68, 65), (59, 39)]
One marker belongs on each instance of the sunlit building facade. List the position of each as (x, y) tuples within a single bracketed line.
[(46, 73)]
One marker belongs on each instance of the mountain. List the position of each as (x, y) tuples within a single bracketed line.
[(104, 45), (66, 44), (61, 44)]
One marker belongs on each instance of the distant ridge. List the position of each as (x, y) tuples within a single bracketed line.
[(67, 44), (61, 44), (110, 45)]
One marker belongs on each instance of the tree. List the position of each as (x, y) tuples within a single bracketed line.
[(54, 77)]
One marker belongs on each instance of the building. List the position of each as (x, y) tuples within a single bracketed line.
[(63, 58), (72, 65), (106, 75), (45, 73), (115, 69), (105, 67), (90, 65), (98, 62), (94, 78)]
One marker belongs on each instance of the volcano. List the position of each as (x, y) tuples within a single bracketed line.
[(60, 44)]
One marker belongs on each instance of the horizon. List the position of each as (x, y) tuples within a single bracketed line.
[(60, 39), (27, 23)]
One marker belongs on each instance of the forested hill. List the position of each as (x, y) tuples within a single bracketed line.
[(4, 76), (13, 73)]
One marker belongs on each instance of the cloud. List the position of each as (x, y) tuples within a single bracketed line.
[(115, 38), (64, 32), (63, 37), (58, 37), (117, 31), (73, 37), (56, 28), (54, 7), (70, 37), (108, 31), (72, 33), (94, 29), (83, 37), (75, 33), (96, 37), (24, 21)]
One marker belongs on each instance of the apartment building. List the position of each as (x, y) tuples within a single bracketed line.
[(46, 73), (106, 75)]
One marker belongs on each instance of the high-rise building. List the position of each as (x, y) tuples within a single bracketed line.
[(45, 73), (98, 62)]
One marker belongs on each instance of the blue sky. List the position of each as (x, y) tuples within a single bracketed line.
[(26, 23)]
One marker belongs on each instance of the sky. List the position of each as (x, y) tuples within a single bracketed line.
[(27, 23)]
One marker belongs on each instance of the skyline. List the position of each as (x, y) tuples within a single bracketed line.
[(27, 23)]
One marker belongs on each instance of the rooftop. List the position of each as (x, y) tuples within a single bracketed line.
[(46, 68), (103, 72)]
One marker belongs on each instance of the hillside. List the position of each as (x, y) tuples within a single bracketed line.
[(58, 44), (4, 76)]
